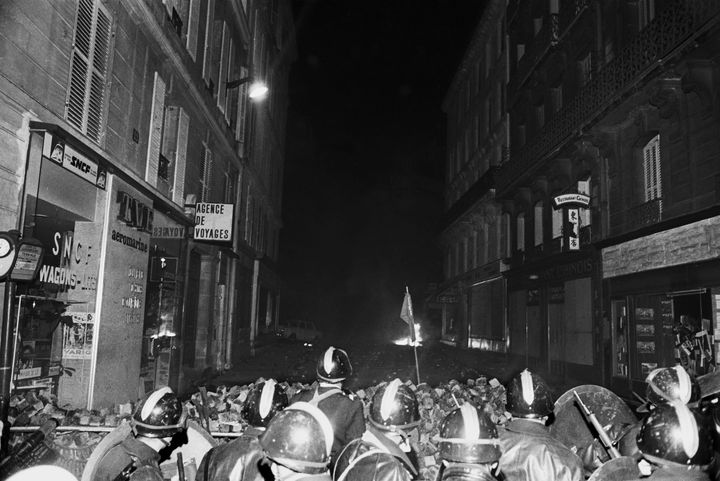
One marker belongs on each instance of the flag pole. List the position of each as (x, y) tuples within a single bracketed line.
[(412, 334)]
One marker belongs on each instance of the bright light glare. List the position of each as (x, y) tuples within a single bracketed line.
[(405, 341), (257, 91)]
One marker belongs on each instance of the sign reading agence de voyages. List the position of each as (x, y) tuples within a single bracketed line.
[(213, 222)]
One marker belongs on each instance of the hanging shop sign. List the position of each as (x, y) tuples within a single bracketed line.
[(213, 222), (571, 200), (573, 217), (58, 151)]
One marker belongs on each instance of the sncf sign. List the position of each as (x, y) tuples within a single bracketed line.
[(134, 213)]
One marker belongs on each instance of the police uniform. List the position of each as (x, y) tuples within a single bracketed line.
[(530, 452), (131, 450), (238, 460), (343, 409), (374, 457)]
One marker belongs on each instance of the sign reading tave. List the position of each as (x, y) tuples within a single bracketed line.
[(213, 222)]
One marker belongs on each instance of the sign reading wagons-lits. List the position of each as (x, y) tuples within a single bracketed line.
[(213, 222)]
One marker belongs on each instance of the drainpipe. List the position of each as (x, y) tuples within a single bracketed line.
[(254, 306)]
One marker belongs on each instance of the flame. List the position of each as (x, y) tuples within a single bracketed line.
[(405, 341)]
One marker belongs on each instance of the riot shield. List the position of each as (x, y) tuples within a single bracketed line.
[(570, 425), (709, 384), (620, 468), (112, 439)]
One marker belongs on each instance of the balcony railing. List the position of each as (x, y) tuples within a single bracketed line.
[(637, 216), (680, 22)]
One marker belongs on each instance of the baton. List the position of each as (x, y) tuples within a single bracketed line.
[(602, 434), (180, 467)]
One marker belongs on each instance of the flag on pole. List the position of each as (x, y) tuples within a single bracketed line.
[(406, 314)]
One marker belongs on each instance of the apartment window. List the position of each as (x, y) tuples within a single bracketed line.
[(506, 235), (472, 251), (171, 165), (585, 69), (540, 115), (231, 182), (556, 97), (646, 13), (208, 50), (192, 31), (520, 51), (537, 25), (557, 224), (462, 246), (651, 169), (583, 187), (157, 121), (225, 56), (520, 230), (88, 69), (206, 167), (538, 223)]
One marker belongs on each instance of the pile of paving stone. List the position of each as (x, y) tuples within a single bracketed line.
[(220, 410)]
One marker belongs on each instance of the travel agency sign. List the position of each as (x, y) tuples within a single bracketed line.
[(213, 222)]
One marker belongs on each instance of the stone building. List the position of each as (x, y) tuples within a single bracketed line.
[(133, 153), (609, 189)]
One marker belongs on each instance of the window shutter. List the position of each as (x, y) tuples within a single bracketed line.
[(181, 156), (88, 69), (229, 93), (206, 166), (651, 169), (193, 24), (538, 224), (223, 73), (520, 232), (242, 113), (156, 124)]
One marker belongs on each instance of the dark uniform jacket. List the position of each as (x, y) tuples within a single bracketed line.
[(344, 411), (119, 457), (238, 460), (374, 457), (531, 453)]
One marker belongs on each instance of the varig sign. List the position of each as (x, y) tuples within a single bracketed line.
[(571, 200)]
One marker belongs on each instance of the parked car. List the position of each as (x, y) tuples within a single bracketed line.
[(298, 329)]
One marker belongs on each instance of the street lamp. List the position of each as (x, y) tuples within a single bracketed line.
[(257, 90)]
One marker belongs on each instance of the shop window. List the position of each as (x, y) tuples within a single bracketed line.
[(557, 225), (652, 179), (620, 341), (88, 69), (520, 232), (538, 223)]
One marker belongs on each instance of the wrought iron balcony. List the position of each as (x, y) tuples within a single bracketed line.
[(636, 217), (679, 23)]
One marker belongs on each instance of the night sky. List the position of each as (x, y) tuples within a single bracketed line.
[(363, 186)]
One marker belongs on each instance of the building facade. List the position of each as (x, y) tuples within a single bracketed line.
[(472, 297), (609, 189), (135, 157)]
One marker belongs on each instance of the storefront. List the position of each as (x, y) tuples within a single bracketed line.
[(83, 325), (663, 303), (486, 309), (550, 316)]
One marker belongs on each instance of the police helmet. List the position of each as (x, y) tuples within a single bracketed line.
[(529, 396), (394, 406), (467, 435), (668, 384), (334, 365), (158, 415), (673, 435), (300, 438), (263, 402)]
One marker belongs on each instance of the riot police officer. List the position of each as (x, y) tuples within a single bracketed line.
[(297, 443), (675, 443), (530, 451), (384, 452), (156, 419), (667, 384), (242, 457), (343, 408), (469, 446)]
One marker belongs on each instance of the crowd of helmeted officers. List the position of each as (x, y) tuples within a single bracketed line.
[(322, 433)]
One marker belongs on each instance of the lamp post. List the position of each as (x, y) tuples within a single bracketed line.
[(257, 90)]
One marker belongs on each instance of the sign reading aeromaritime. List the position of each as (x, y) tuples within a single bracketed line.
[(213, 222)]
